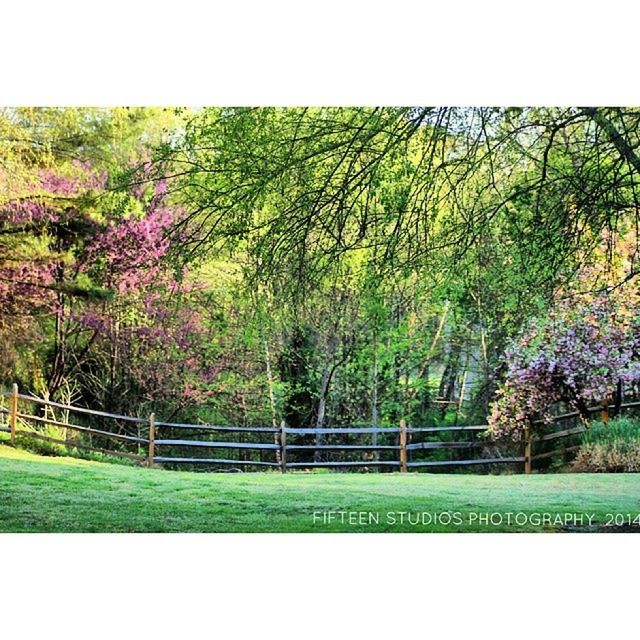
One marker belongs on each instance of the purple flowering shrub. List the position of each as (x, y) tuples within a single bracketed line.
[(580, 354)]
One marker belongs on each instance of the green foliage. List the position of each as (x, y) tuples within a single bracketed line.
[(620, 429), (368, 263), (610, 447)]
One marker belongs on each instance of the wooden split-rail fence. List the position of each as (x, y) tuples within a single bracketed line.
[(152, 442)]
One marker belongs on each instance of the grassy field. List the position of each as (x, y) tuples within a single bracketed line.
[(49, 494)]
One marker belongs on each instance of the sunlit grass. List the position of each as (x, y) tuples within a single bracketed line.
[(58, 494)]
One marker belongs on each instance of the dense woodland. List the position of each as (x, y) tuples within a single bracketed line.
[(321, 266)]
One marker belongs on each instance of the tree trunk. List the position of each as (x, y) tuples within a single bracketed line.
[(618, 398), (272, 398), (322, 406), (374, 396)]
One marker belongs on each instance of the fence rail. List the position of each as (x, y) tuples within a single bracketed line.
[(446, 463), (284, 449), (75, 427)]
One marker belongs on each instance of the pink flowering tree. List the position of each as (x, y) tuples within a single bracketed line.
[(93, 268), (38, 233), (581, 353)]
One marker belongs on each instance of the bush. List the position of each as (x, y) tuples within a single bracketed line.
[(613, 447)]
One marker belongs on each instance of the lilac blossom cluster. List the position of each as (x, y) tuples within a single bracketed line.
[(578, 354)]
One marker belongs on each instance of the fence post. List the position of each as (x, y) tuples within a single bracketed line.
[(13, 413), (403, 446), (527, 448), (152, 440), (283, 447), (604, 412)]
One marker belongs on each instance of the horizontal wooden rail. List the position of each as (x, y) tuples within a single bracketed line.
[(555, 452), (561, 434), (214, 427), (214, 461), (342, 447), (446, 463), (478, 427), (340, 430), (90, 412), (595, 409), (75, 427), (216, 445), (75, 445), (350, 463), (7, 429), (563, 416), (371, 430), (444, 445)]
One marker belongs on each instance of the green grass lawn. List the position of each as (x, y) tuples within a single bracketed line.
[(56, 494)]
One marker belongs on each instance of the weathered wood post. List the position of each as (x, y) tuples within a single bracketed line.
[(152, 440), (403, 446), (283, 447), (527, 448), (13, 413), (604, 412)]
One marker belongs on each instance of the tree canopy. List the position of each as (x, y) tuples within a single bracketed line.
[(318, 265)]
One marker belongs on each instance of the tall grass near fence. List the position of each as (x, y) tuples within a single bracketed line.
[(610, 447)]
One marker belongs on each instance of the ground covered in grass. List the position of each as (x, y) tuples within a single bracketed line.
[(55, 494)]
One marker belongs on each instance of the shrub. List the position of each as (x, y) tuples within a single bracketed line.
[(613, 447), (581, 353)]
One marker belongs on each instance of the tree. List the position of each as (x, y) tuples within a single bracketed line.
[(581, 354), (85, 267), (406, 187), (321, 265)]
